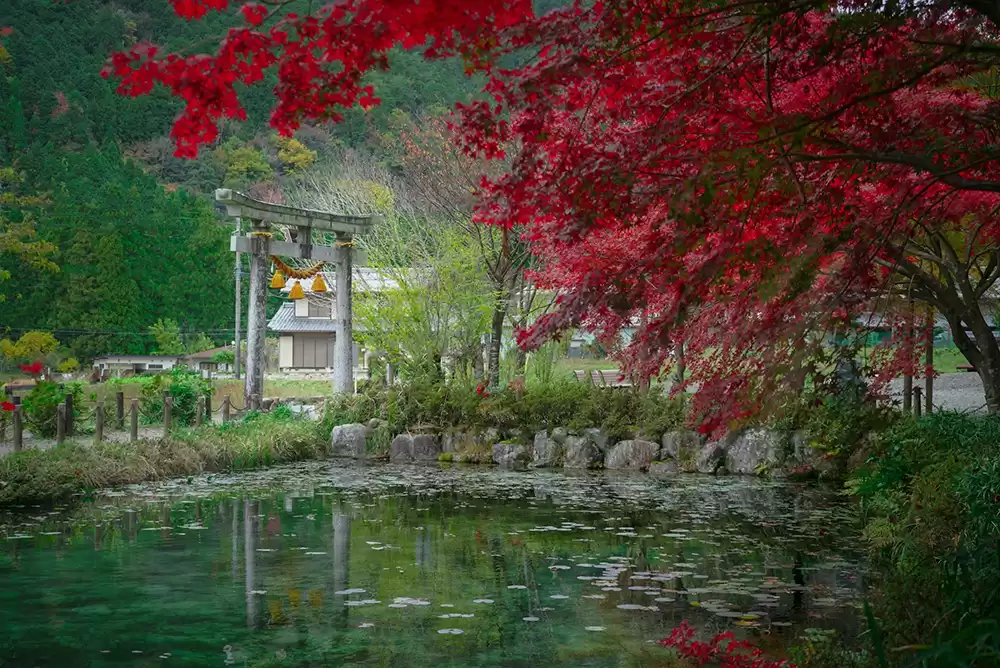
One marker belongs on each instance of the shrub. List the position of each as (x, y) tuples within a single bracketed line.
[(930, 494), (185, 387), (40, 405)]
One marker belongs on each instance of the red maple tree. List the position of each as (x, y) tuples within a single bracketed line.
[(737, 176)]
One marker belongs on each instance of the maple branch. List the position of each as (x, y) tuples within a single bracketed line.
[(950, 177)]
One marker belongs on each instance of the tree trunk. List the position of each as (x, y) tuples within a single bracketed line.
[(983, 353), (520, 362), (496, 340), (477, 361)]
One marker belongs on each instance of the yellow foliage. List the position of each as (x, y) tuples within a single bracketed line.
[(31, 346), (294, 155), (69, 365)]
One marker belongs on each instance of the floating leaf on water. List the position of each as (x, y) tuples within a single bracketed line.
[(454, 632), (593, 628), (530, 619), (483, 600)]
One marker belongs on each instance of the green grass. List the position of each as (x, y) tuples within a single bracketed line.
[(260, 440)]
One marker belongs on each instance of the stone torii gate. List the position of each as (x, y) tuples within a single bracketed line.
[(261, 246)]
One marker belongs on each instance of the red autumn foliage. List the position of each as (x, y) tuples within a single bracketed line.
[(739, 177), (33, 369), (723, 649), (7, 406)]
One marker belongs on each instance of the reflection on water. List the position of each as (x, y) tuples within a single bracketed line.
[(321, 565)]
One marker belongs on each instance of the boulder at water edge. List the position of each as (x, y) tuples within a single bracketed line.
[(545, 451), (750, 451), (510, 455), (711, 458), (582, 453), (348, 440), (664, 468), (683, 446), (414, 448), (632, 454)]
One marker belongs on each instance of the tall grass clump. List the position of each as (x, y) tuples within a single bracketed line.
[(260, 439)]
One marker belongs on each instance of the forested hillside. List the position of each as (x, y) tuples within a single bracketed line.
[(134, 230)]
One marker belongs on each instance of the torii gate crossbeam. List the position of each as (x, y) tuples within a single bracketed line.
[(261, 246)]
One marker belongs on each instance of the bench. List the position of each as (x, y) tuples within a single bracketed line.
[(965, 367)]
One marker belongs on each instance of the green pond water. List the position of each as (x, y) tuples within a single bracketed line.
[(327, 565)]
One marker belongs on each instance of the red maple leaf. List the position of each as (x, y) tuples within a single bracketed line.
[(7, 406)]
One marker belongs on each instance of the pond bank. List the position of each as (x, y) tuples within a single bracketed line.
[(751, 451), (46, 476)]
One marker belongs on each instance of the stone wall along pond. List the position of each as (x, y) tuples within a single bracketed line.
[(750, 451)]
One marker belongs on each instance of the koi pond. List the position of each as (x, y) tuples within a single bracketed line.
[(322, 564)]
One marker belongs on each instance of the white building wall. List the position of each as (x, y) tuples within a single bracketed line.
[(301, 308)]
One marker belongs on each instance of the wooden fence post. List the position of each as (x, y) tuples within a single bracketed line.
[(69, 415), (99, 423), (208, 408), (199, 412), (916, 401), (120, 408), (60, 423), (133, 434), (225, 410), (168, 405), (18, 428)]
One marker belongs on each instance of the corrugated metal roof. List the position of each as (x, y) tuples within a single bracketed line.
[(285, 320)]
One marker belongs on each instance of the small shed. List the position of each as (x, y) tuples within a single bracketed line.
[(204, 361), (118, 365)]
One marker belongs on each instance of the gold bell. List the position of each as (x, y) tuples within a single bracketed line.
[(278, 280), (296, 292), (319, 285)]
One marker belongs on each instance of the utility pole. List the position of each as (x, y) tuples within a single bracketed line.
[(239, 309)]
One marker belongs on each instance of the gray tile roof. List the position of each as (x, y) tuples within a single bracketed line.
[(285, 320)]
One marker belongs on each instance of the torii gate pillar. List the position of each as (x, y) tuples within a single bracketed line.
[(253, 378), (343, 355)]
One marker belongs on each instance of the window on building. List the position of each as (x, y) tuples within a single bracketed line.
[(154, 366), (319, 309)]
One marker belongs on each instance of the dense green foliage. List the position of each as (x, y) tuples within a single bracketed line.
[(41, 404), (128, 250), (184, 386), (931, 495)]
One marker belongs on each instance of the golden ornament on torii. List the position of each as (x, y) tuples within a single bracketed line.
[(265, 249)]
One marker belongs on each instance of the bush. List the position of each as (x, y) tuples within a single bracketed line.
[(40, 405), (185, 387), (930, 494), (517, 411)]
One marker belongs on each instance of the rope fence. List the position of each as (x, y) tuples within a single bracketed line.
[(121, 415)]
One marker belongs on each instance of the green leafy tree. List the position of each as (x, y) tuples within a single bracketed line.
[(31, 346), (167, 334), (198, 343)]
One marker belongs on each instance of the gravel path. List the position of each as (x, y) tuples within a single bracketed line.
[(961, 391)]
